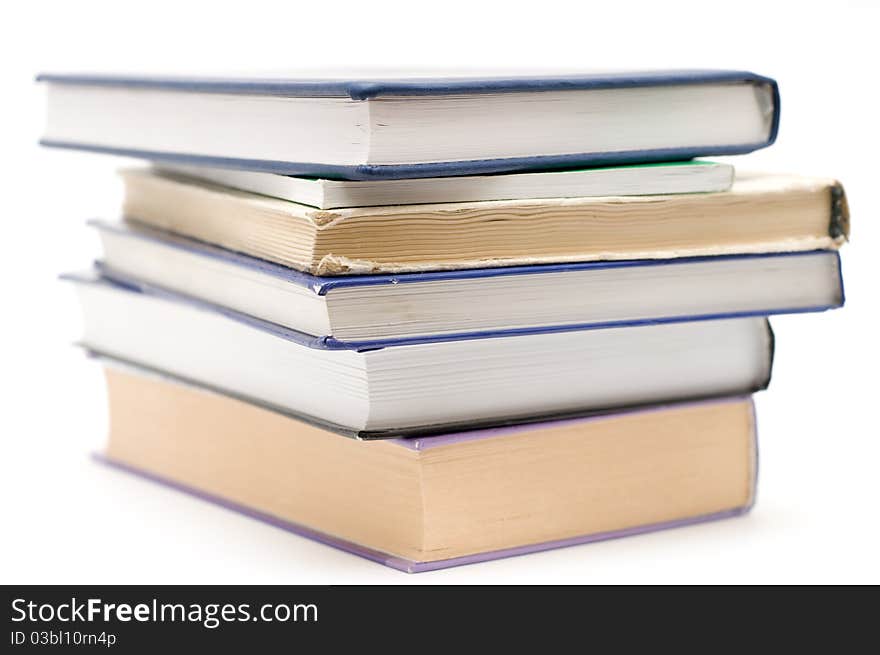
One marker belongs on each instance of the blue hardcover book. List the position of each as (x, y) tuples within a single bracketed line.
[(369, 311), (414, 127), (402, 387)]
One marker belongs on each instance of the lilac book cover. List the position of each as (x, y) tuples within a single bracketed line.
[(424, 443)]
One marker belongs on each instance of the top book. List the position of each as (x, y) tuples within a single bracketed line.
[(363, 129)]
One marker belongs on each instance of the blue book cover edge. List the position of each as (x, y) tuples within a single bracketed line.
[(366, 89), (365, 172)]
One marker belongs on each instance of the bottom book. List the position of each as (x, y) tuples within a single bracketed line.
[(428, 503)]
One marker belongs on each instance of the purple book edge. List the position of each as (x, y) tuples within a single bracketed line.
[(405, 565)]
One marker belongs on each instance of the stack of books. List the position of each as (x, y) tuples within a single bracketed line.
[(438, 321)]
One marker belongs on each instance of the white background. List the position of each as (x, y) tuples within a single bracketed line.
[(66, 519)]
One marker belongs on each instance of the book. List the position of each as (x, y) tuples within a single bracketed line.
[(369, 310), (414, 127), (635, 180), (411, 388), (441, 501), (761, 213)]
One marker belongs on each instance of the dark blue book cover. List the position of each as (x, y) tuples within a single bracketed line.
[(376, 89)]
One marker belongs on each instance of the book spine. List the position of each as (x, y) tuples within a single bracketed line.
[(838, 227)]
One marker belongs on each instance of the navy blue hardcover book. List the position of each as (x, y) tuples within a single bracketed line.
[(351, 128), (404, 388), (370, 311)]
